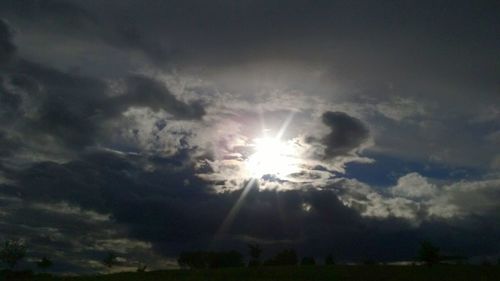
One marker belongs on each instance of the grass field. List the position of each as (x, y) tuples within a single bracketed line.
[(309, 273)]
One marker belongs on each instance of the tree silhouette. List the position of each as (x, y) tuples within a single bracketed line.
[(110, 260), (141, 268), (307, 261), (428, 253), (255, 251), (201, 259), (285, 257), (44, 263), (193, 259), (329, 260), (225, 259), (12, 252)]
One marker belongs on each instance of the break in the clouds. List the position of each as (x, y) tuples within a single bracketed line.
[(148, 128)]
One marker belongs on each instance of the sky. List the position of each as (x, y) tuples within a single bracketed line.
[(149, 128)]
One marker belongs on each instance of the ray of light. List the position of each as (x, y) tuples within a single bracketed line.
[(283, 128), (234, 211), (261, 119), (237, 206)]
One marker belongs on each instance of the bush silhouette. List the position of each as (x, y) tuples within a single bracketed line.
[(110, 260), (285, 257), (254, 251), (201, 259), (193, 259), (44, 263), (225, 259), (141, 268), (12, 252), (307, 261), (428, 253), (329, 260)]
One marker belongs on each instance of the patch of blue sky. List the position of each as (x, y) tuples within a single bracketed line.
[(386, 170)]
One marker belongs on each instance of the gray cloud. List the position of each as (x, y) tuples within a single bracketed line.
[(74, 109), (346, 134), (75, 239), (134, 121), (7, 49), (8, 145), (144, 91), (174, 210)]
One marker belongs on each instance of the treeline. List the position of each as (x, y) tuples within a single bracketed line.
[(13, 251), (212, 259), (200, 259), (427, 254)]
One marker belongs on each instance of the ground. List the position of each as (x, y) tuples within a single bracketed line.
[(309, 273)]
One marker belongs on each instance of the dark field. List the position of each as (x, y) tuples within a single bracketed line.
[(370, 273)]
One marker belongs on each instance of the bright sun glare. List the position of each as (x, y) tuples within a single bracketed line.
[(272, 157)]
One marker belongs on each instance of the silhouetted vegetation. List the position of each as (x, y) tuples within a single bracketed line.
[(141, 268), (329, 260), (281, 266), (255, 252), (428, 253), (12, 252), (304, 273), (285, 257), (307, 261), (485, 262), (110, 260), (20, 275), (44, 263), (201, 259), (452, 259)]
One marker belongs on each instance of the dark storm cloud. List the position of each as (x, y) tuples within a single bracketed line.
[(9, 101), (73, 108), (144, 91), (117, 30), (8, 145), (7, 49), (168, 206), (175, 211), (70, 107), (346, 133), (36, 10), (437, 52), (76, 239), (233, 31)]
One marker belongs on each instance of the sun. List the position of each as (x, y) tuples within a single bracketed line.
[(272, 157)]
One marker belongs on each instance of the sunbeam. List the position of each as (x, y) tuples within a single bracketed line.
[(234, 211), (271, 157)]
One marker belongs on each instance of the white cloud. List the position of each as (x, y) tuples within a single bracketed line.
[(416, 199), (413, 185)]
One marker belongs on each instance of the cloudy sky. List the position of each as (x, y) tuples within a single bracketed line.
[(147, 128)]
